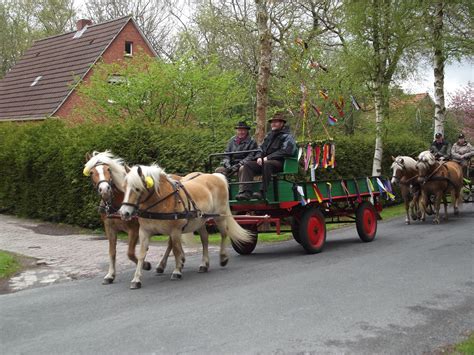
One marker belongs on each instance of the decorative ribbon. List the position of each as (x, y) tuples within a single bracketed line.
[(307, 161), (329, 189), (323, 94), (300, 153), (332, 120), (333, 155), (354, 103), (346, 190), (302, 197), (318, 194), (384, 189), (317, 153), (325, 156), (317, 111)]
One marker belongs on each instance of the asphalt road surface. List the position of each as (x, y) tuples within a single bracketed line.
[(409, 291)]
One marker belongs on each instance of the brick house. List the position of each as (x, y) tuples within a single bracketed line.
[(42, 84)]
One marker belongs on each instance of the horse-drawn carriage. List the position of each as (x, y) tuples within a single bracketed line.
[(307, 206), (468, 186)]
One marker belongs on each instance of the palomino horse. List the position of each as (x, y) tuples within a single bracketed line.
[(108, 173), (404, 174), (439, 178), (169, 207)]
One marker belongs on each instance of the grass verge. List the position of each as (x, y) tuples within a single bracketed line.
[(9, 264), (467, 346)]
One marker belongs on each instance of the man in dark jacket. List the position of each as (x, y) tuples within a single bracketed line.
[(277, 145), (238, 143), (440, 148)]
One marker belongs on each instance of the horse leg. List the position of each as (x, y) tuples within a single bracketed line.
[(222, 226), (422, 205), (445, 203), (132, 243), (144, 242), (437, 205), (111, 234), (456, 196), (162, 265), (178, 255), (406, 200), (204, 267)]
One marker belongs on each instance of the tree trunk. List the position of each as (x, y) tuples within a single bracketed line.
[(381, 103), (263, 68), (439, 59)]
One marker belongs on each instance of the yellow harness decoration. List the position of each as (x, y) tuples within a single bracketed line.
[(149, 182), (86, 172)]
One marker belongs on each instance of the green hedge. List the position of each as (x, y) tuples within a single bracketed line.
[(41, 164)]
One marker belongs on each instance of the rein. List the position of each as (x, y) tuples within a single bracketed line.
[(438, 178)]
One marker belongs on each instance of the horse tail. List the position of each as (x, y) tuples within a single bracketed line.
[(235, 232)]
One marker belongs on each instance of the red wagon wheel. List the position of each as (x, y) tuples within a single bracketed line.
[(366, 221), (312, 231), (247, 248)]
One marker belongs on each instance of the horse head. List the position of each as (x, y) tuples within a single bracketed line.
[(402, 166), (426, 161), (139, 180), (105, 171)]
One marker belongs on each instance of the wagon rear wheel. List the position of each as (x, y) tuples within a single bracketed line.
[(366, 221), (312, 231), (247, 248)]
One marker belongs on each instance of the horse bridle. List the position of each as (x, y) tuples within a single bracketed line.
[(402, 167)]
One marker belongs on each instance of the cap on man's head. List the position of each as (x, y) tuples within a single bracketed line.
[(242, 125), (278, 116), (438, 135), (460, 136)]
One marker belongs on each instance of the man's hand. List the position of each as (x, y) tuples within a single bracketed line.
[(226, 165), (259, 161), (234, 168)]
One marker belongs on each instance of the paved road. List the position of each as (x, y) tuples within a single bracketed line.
[(409, 291)]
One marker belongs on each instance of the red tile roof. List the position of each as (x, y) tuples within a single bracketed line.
[(60, 61)]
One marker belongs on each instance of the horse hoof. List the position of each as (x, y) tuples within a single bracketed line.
[(203, 269), (435, 222), (176, 276), (456, 212), (407, 222), (224, 262), (135, 285), (160, 270), (107, 281), (146, 266)]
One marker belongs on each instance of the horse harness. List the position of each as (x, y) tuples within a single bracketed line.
[(430, 177), (191, 211), (107, 207)]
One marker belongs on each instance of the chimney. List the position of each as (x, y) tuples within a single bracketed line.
[(80, 24)]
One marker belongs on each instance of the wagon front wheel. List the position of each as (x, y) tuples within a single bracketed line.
[(295, 229), (312, 231), (366, 221), (247, 248)]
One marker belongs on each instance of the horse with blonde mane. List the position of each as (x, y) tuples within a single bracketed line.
[(404, 174), (438, 179), (171, 207), (108, 173)]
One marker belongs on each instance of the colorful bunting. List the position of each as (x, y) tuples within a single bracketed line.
[(318, 194), (354, 103), (332, 120), (323, 94)]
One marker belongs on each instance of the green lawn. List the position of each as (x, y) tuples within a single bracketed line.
[(8, 264), (268, 237), (467, 346)]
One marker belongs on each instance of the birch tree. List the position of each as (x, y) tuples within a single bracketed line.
[(382, 32)]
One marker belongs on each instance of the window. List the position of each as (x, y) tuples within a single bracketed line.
[(128, 49), (79, 33), (36, 80)]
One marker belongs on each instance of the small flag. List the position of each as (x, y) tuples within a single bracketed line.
[(370, 187), (323, 94), (329, 189), (317, 153), (301, 193), (308, 156), (300, 153), (332, 120), (388, 193), (354, 103)]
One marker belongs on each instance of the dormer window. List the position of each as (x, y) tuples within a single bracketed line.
[(128, 49), (36, 80), (79, 33)]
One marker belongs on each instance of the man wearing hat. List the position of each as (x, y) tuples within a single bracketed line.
[(440, 148), (277, 145), (240, 142), (462, 151)]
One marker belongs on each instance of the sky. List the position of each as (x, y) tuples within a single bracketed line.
[(456, 76)]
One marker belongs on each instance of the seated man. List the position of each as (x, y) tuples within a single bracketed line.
[(277, 145), (240, 142), (462, 152), (440, 148)]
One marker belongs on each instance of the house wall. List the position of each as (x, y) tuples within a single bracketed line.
[(115, 52)]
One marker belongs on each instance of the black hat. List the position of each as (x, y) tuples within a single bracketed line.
[(460, 135), (243, 125), (438, 135), (278, 116)]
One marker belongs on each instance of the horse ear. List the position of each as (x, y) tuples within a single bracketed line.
[(393, 158), (401, 161), (127, 168), (88, 156), (139, 171)]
